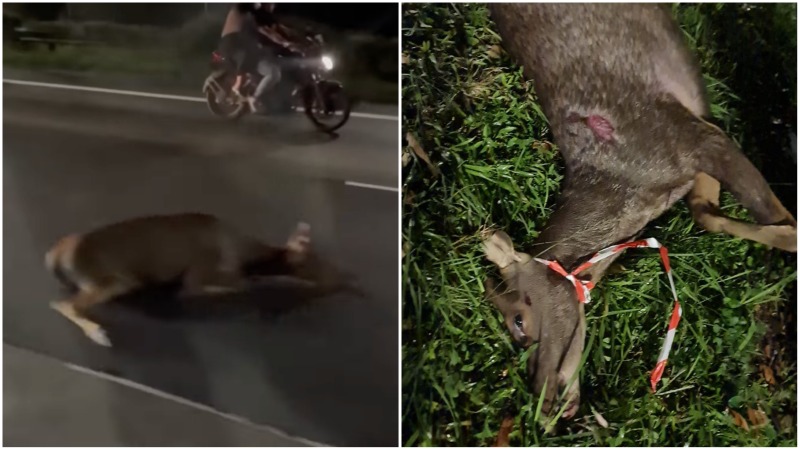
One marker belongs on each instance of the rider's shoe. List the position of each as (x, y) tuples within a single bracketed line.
[(252, 102), (237, 92)]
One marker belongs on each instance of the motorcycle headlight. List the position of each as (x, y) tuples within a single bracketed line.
[(327, 62)]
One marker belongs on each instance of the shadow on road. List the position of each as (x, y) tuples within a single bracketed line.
[(311, 378)]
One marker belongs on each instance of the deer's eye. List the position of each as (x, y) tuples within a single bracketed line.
[(518, 321)]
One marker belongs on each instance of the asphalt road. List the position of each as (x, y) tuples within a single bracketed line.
[(325, 370), (47, 403)]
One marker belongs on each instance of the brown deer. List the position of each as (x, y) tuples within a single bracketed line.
[(207, 255), (627, 106)]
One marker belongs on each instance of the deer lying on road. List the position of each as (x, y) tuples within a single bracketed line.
[(207, 255)]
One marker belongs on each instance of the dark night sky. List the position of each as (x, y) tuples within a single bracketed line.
[(378, 18)]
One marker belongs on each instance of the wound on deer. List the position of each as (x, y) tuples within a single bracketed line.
[(601, 127)]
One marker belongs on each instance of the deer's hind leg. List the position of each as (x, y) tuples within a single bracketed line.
[(722, 164), (89, 295), (704, 203)]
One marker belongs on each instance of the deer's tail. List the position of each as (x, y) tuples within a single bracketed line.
[(59, 259)]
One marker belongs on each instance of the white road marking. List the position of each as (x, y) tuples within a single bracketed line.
[(188, 99), (370, 186), (189, 403), (182, 98), (105, 91)]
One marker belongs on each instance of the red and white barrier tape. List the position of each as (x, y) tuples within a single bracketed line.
[(583, 288)]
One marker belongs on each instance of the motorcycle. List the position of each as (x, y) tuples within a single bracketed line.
[(303, 87)]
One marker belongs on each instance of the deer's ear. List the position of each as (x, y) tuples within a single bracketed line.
[(490, 293), (499, 249), (299, 241), (502, 239), (501, 299)]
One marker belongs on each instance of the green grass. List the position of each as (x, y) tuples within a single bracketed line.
[(134, 61), (477, 118)]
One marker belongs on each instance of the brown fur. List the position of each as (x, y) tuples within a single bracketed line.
[(627, 65), (205, 254)]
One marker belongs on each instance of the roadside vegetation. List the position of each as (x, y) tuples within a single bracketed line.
[(366, 64), (477, 153)]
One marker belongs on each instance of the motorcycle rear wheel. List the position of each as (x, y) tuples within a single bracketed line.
[(221, 101)]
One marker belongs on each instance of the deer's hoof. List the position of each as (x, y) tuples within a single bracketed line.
[(99, 337)]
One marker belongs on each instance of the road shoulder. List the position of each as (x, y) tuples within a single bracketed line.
[(47, 403)]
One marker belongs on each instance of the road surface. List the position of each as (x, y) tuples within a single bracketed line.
[(98, 412), (324, 371)]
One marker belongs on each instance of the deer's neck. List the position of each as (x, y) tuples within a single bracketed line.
[(587, 219)]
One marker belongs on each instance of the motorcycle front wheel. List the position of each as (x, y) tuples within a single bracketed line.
[(327, 105), (220, 99)]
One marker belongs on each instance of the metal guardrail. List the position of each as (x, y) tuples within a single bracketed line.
[(23, 35)]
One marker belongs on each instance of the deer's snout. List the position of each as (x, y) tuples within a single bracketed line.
[(560, 331), (538, 308)]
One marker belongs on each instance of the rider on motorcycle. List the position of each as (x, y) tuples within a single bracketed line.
[(241, 45)]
